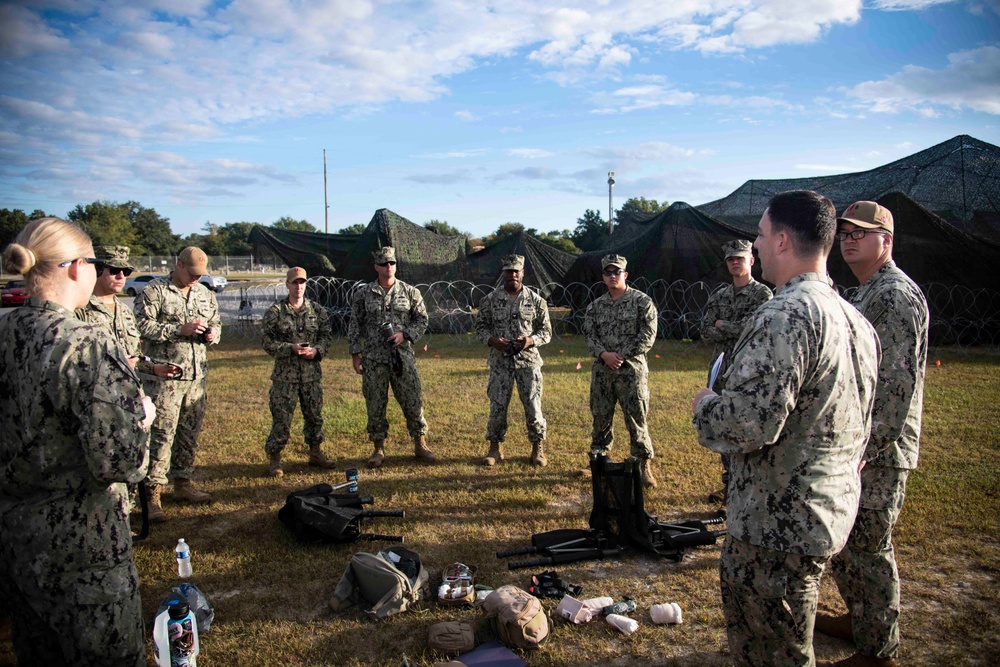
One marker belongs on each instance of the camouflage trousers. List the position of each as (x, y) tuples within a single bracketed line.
[(631, 392), (376, 379), (865, 571), (769, 599), (529, 389), (93, 619), (173, 438), (282, 399)]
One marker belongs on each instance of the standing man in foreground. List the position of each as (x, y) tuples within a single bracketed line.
[(387, 315), (514, 321), (865, 571), (178, 318), (727, 312), (620, 328), (795, 416), (296, 333)]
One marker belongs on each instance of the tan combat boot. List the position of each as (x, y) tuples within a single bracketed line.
[(719, 497), (274, 467), (835, 626), (154, 507), (421, 451), (184, 490), (647, 474), (375, 460), (317, 460), (495, 455), (859, 660), (538, 454)]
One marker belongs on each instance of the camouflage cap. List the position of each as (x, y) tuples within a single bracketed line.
[(613, 260), (512, 263), (738, 248), (384, 255), (115, 256), (868, 215)]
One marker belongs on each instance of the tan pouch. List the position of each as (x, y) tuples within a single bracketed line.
[(451, 637)]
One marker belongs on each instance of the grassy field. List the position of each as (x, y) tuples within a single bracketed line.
[(270, 593)]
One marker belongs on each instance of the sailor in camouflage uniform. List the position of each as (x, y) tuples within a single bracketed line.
[(795, 416), (726, 313), (105, 308), (297, 334), (514, 321), (374, 352), (178, 318), (620, 328), (76, 432), (865, 571)]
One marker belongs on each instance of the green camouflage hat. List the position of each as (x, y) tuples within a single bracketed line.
[(738, 248), (384, 255), (614, 260), (512, 263), (115, 256)]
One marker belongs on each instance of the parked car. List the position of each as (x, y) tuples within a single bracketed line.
[(214, 283), (136, 284), (14, 293)]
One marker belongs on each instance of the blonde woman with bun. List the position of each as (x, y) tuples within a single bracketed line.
[(76, 431)]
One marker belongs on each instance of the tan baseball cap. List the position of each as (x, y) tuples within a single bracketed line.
[(868, 215), (195, 260), (294, 274)]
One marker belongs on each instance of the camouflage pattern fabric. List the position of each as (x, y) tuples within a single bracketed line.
[(626, 326), (403, 306), (375, 382), (120, 321), (769, 599), (865, 571), (525, 315), (295, 379), (734, 309), (72, 440), (161, 309), (795, 415)]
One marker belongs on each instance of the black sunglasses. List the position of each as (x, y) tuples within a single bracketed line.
[(614, 272), (387, 263), (113, 271)]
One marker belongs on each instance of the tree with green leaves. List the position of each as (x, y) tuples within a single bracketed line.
[(357, 229), (640, 205), (443, 228), (561, 240), (106, 222), (153, 233), (293, 225), (591, 231), (11, 222)]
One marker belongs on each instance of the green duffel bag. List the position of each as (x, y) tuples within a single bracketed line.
[(382, 584)]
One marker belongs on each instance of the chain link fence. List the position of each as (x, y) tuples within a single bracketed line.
[(960, 317), (217, 264)]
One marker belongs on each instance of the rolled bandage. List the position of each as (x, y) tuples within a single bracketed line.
[(625, 624), (666, 613)]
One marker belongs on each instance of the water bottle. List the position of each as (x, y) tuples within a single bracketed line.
[(175, 636), (183, 558)]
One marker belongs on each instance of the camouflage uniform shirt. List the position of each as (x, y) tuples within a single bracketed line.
[(626, 326), (401, 304), (161, 309), (795, 414), (734, 309), (120, 321), (527, 314), (898, 310), (283, 326)]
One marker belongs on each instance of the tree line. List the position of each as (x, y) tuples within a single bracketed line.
[(146, 232)]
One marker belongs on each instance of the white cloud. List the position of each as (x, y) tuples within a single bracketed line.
[(895, 5), (971, 80), (466, 116), (528, 153)]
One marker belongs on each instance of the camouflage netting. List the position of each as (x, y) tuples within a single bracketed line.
[(680, 243), (956, 179), (318, 254), (543, 264)]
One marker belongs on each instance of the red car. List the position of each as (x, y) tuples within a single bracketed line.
[(14, 293)]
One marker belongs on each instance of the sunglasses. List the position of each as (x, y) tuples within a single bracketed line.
[(112, 271), (387, 263), (614, 272), (88, 260)]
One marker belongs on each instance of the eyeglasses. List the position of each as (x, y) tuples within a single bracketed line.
[(114, 271), (387, 263), (858, 234), (614, 272), (88, 260)]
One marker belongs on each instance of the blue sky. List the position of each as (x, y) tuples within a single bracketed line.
[(473, 112)]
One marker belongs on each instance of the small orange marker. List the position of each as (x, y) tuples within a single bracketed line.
[(579, 365), (425, 348), (937, 363), (657, 356), (560, 351), (437, 356)]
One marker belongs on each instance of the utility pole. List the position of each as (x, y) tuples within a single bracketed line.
[(326, 201), (611, 208)]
